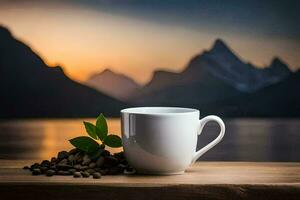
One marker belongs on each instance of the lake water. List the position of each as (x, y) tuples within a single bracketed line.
[(245, 139)]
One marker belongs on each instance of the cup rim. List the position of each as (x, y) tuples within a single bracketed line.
[(155, 110)]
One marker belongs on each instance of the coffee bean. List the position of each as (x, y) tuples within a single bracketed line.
[(60, 172), (103, 171), (36, 171), (86, 160), (90, 171), (79, 157), (63, 173), (63, 161), (45, 163), (72, 171), (97, 169), (96, 175), (100, 162), (71, 158), (110, 161), (53, 160), (77, 167), (67, 173), (62, 155), (92, 165), (77, 175), (50, 172), (73, 151), (80, 164), (63, 167), (53, 167), (35, 165), (44, 169), (83, 168), (26, 167), (85, 174)]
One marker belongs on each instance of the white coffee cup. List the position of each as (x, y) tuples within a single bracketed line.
[(163, 140)]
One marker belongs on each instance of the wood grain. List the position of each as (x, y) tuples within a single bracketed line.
[(204, 180), (199, 173)]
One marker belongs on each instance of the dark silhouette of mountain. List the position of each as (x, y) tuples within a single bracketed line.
[(29, 88), (113, 84), (245, 77), (223, 64), (281, 100), (217, 81)]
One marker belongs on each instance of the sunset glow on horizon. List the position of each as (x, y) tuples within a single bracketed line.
[(85, 41)]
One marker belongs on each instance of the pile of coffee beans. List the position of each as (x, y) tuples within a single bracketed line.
[(78, 164)]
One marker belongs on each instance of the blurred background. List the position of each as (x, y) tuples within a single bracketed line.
[(61, 61)]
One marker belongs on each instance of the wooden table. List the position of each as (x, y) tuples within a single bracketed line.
[(204, 180)]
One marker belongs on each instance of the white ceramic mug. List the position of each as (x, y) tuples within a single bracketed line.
[(163, 140)]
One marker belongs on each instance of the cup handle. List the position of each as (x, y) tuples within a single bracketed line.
[(202, 123)]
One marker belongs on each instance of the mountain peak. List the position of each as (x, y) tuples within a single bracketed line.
[(277, 61), (105, 72), (223, 53), (114, 84), (220, 45), (108, 72), (278, 64)]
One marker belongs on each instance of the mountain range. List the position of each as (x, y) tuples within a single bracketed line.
[(223, 65), (30, 88), (217, 81)]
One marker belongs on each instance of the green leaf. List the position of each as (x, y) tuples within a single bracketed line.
[(91, 130), (101, 125), (113, 141), (85, 143)]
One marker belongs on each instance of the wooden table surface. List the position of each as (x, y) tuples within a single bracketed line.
[(204, 180)]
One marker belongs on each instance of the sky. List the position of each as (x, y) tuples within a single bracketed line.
[(136, 37)]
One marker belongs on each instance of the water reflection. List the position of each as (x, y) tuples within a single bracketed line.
[(41, 139), (254, 140), (245, 140)]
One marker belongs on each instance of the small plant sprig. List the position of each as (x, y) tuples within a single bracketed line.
[(96, 132)]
